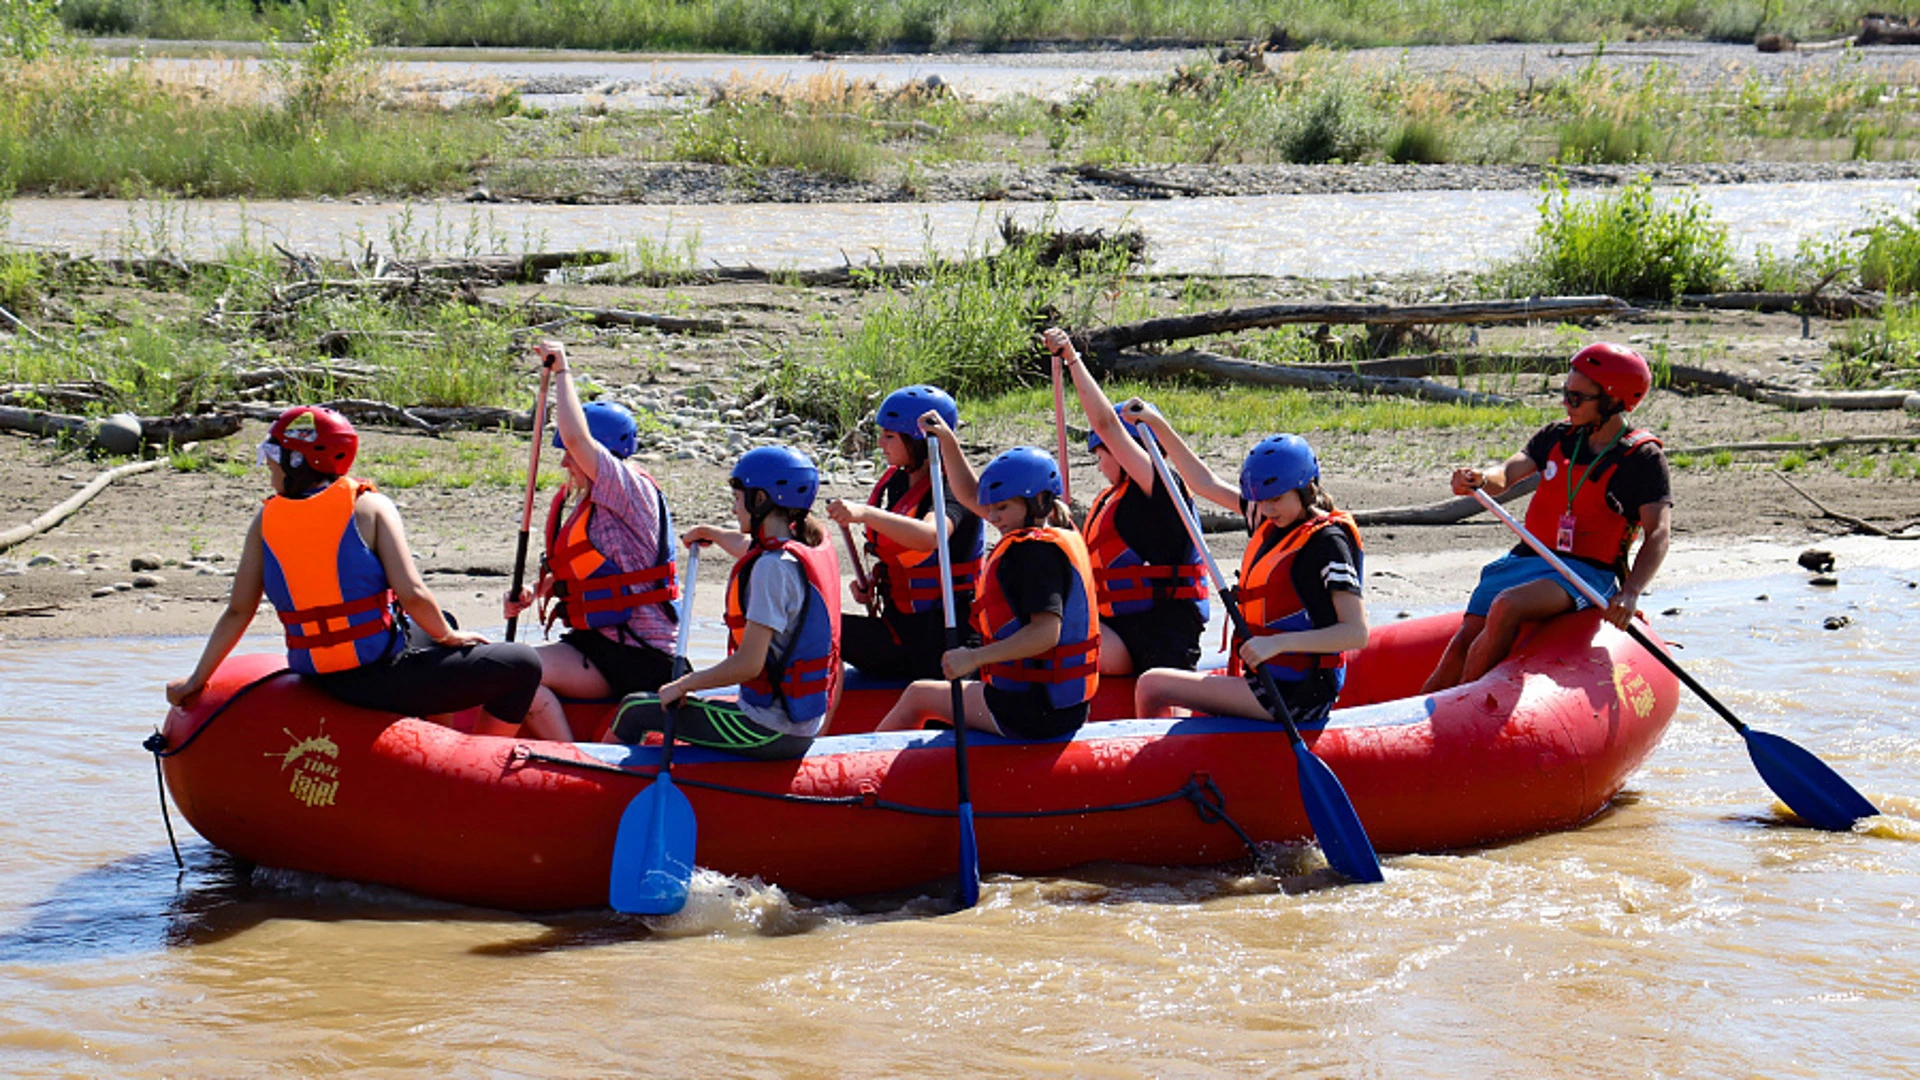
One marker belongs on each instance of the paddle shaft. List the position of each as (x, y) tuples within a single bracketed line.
[(1189, 517), (1541, 549), (1060, 428), (859, 570), (533, 482), (969, 859), (681, 636), (947, 613)]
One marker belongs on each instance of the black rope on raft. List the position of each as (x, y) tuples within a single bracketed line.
[(156, 744), (1199, 789)]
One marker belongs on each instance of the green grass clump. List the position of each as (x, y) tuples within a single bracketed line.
[(1628, 244), (969, 327), (788, 27), (74, 124)]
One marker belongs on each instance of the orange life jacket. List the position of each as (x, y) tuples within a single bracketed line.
[(808, 675), (326, 584), (1269, 602), (1127, 583), (910, 577), (1601, 534), (590, 589), (1070, 671)]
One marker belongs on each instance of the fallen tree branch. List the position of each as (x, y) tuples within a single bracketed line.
[(1112, 339), (1842, 306), (670, 324), (1445, 512), (1814, 444), (1195, 363), (1857, 524), (1794, 400), (79, 499)]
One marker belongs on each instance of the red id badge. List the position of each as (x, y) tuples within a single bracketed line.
[(1563, 541)]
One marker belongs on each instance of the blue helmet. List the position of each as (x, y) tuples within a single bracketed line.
[(1276, 465), (901, 410), (1020, 473), (787, 476), (1094, 439), (611, 425)]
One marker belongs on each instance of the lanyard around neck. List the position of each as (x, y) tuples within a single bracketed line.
[(1573, 489)]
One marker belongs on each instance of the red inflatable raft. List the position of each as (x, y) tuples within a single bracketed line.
[(276, 772)]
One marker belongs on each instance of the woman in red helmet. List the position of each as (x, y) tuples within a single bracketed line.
[(1602, 483), (331, 554)]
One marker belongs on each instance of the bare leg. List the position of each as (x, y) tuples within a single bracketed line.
[(1172, 692), (1511, 610), (563, 670), (931, 700), (546, 719), (1447, 674), (1114, 658)]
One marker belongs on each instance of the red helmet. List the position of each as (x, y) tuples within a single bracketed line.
[(1618, 370), (323, 437)]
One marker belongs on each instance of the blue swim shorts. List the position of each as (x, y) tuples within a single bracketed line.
[(1509, 570)]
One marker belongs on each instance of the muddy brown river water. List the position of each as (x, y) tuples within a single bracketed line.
[(1689, 931)]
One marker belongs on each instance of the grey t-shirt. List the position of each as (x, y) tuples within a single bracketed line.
[(776, 598)]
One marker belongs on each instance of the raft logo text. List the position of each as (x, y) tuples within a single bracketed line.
[(316, 770)]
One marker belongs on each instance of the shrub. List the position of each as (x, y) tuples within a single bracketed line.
[(1418, 142), (1628, 244), (1891, 258), (1331, 122)]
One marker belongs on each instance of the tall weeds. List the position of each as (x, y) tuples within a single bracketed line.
[(1628, 244), (968, 327)]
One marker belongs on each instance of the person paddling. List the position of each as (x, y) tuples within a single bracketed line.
[(783, 623), (907, 637), (1152, 586), (330, 553), (1300, 585), (608, 572), (1602, 483), (1036, 612)]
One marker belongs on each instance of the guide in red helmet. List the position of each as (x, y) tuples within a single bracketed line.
[(1603, 483), (331, 554)]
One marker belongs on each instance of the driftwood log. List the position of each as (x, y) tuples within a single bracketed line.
[(79, 499), (1196, 363), (1809, 445), (1854, 523), (1837, 306), (1680, 377), (671, 324), (154, 430), (1112, 339), (1445, 512)]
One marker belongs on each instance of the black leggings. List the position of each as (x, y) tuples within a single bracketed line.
[(869, 643), (427, 679), (720, 725)]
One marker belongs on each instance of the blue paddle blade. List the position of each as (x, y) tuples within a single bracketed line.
[(653, 852), (1810, 788), (969, 859), (1335, 824)]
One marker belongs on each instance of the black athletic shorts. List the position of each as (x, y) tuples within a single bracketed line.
[(1166, 637), (628, 668), (1030, 717)]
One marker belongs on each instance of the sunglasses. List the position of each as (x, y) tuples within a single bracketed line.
[(1575, 398)]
